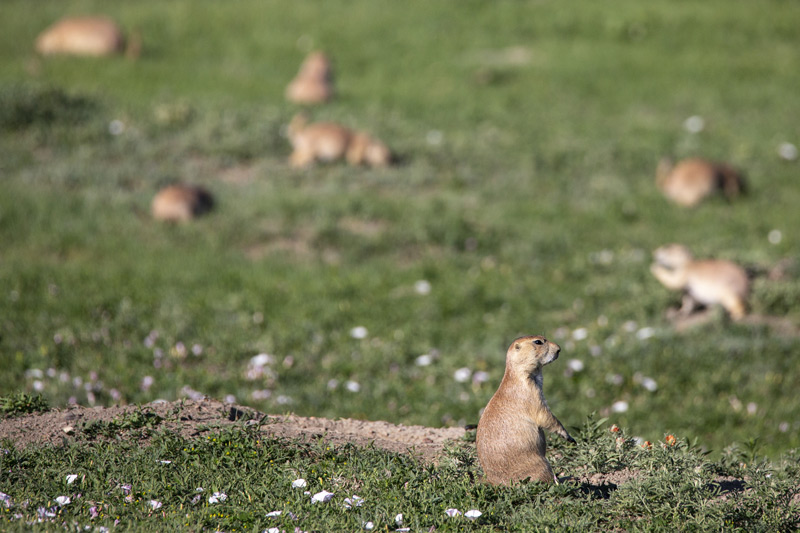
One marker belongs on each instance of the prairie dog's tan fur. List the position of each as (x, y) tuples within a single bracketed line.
[(691, 180), (313, 83), (707, 282), (510, 439), (181, 203), (328, 141), (87, 36)]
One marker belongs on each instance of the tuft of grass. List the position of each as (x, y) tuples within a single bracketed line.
[(22, 403)]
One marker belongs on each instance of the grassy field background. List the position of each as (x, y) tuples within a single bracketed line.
[(528, 134)]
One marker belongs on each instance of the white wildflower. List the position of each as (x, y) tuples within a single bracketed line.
[(787, 151), (63, 500), (694, 124), (299, 483), (452, 512), (580, 334), (423, 360), (462, 375), (775, 236), (472, 514), (355, 501), (273, 514), (649, 384), (322, 497), (71, 478), (576, 365), (422, 287), (620, 406), (217, 497), (359, 332), (154, 504), (352, 386)]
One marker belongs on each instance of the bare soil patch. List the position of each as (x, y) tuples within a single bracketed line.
[(195, 418)]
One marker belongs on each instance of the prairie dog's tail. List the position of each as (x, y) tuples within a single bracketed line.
[(730, 181), (665, 166), (297, 124), (133, 46)]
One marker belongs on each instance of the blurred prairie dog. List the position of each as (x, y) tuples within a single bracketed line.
[(328, 141), (707, 282), (85, 36), (314, 82), (691, 180), (181, 203), (510, 439)]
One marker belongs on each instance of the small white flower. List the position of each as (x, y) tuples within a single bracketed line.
[(423, 360), (359, 332), (197, 349), (273, 514), (155, 504), (71, 478), (576, 365), (694, 124), (217, 497), (38, 386), (462, 375), (368, 525), (199, 489), (355, 501), (283, 400), (322, 497), (480, 377), (5, 498), (775, 236), (116, 127), (230, 398), (333, 383), (649, 384), (63, 500), (472, 514), (452, 512), (620, 406), (352, 386), (262, 359), (580, 334), (422, 287), (165, 462), (630, 326), (783, 427), (273, 530), (645, 333), (787, 151), (752, 407), (299, 483), (434, 137), (399, 519)]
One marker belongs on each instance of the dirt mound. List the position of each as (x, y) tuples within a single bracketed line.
[(194, 418)]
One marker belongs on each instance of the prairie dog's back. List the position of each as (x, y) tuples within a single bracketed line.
[(181, 203), (691, 180), (90, 36)]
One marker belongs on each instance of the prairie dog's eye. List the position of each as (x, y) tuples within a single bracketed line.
[(538, 341), (516, 346)]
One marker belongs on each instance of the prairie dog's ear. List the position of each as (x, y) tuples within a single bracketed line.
[(517, 346)]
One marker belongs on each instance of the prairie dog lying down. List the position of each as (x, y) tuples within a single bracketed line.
[(691, 180), (313, 83), (707, 282), (86, 36), (328, 141), (181, 203)]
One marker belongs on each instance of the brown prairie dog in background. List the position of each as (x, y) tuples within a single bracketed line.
[(313, 83), (181, 203), (87, 36), (707, 282), (510, 439), (328, 141), (691, 180)]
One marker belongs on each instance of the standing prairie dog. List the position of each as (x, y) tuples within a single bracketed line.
[(707, 282), (691, 180), (328, 141), (510, 438), (313, 83), (181, 203), (86, 36)]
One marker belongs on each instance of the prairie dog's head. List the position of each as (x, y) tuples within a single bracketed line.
[(364, 149), (672, 256), (530, 354), (316, 66)]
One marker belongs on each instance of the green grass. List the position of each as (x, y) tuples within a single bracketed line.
[(167, 485), (535, 213)]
